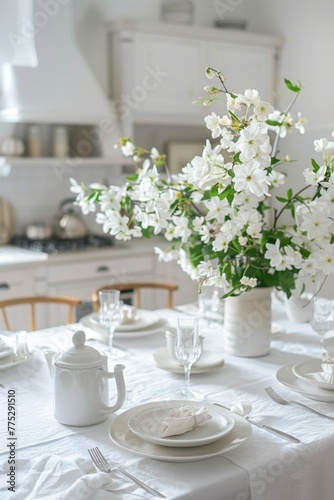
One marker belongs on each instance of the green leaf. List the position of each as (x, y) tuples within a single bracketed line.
[(289, 194), (274, 161), (273, 123), (234, 116), (132, 178), (211, 193), (227, 191), (315, 165), (281, 199), (294, 88)]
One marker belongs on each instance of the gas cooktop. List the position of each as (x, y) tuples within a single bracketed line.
[(57, 245)]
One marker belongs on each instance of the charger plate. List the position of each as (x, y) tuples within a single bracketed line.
[(121, 435), (147, 423), (286, 376)]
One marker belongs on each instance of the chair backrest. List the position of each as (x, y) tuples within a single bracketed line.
[(70, 302), (136, 288)]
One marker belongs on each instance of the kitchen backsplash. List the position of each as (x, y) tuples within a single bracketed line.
[(36, 192)]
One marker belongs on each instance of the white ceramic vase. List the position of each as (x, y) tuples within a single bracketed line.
[(247, 323)]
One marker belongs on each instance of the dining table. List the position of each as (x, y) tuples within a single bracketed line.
[(43, 458)]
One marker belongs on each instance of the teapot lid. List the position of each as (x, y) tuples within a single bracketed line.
[(79, 355)]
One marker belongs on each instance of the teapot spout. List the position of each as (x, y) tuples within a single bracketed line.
[(120, 387)]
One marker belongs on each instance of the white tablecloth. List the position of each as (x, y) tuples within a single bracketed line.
[(265, 467)]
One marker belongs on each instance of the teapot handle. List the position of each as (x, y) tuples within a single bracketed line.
[(120, 387)]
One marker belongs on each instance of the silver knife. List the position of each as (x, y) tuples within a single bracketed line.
[(277, 432)]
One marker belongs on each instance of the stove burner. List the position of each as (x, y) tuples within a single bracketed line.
[(57, 245)]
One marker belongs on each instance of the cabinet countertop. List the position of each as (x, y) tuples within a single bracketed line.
[(12, 257)]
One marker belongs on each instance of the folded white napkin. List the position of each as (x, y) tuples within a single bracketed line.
[(183, 419), (128, 314), (57, 478), (5, 343)]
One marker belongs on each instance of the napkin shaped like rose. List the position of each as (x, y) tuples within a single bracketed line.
[(183, 419)]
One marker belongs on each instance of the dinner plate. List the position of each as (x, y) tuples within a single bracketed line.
[(121, 435), (6, 346), (209, 360), (311, 371), (147, 423), (101, 333), (286, 376), (9, 362), (144, 319)]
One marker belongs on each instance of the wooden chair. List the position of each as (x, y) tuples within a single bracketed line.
[(135, 288), (70, 302)]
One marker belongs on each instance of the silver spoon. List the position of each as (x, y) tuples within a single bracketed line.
[(243, 408)]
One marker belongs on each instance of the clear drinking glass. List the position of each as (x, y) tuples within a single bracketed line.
[(188, 348), (209, 305), (322, 318), (110, 315)]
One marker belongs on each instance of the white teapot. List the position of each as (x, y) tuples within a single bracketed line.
[(81, 389)]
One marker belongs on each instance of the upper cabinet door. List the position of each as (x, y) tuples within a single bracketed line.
[(244, 67), (167, 69)]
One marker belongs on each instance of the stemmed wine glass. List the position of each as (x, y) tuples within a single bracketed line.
[(322, 318), (188, 348), (109, 316), (209, 305)]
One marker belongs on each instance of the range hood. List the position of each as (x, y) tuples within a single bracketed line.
[(61, 88)]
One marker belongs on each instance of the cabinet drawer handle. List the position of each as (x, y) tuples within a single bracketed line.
[(102, 269), (4, 286)]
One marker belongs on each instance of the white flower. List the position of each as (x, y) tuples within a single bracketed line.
[(314, 178), (323, 144), (251, 179), (128, 149), (315, 223), (262, 110), (251, 282), (213, 123), (273, 254), (300, 123)]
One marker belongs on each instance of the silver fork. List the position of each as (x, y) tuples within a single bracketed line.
[(101, 463), (276, 397)]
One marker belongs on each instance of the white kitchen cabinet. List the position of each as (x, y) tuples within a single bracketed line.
[(77, 274), (17, 282), (158, 70)]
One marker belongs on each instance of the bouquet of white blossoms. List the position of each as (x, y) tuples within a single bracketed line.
[(216, 212)]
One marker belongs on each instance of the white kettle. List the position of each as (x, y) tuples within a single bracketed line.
[(81, 389)]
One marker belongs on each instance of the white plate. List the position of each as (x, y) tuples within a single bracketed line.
[(209, 360), (6, 346), (146, 423), (101, 332), (286, 377), (121, 435), (307, 370), (6, 363), (144, 319)]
